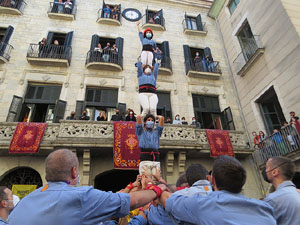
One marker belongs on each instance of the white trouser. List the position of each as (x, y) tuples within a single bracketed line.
[(147, 58), (148, 101), (149, 168)]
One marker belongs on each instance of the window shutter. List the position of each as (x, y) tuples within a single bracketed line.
[(165, 48), (73, 7), (161, 17), (69, 37), (147, 15), (227, 119), (199, 23), (120, 14), (94, 42), (120, 42), (7, 34), (50, 38), (19, 4), (59, 111), (187, 58), (186, 21), (14, 109), (79, 108)]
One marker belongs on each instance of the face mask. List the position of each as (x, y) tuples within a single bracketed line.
[(177, 118), (264, 175), (16, 199), (194, 120), (149, 35), (197, 54), (147, 71), (149, 124)]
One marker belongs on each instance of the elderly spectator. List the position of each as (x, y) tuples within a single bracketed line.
[(72, 116), (102, 116), (97, 54), (183, 121), (68, 6), (130, 116), (226, 205), (6, 204), (177, 120), (292, 114), (60, 202), (195, 123), (115, 12), (84, 116), (107, 10), (286, 199), (117, 117)]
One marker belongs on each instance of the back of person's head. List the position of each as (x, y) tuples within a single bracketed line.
[(229, 174), (3, 194), (59, 165), (194, 173), (181, 181), (286, 166)]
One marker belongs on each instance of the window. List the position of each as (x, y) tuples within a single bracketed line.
[(232, 5), (193, 23), (271, 110), (64, 8), (164, 105), (41, 104), (113, 13), (165, 61), (155, 17), (97, 100), (5, 48)]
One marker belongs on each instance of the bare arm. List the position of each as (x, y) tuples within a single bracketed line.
[(141, 198), (138, 26), (161, 121), (164, 197), (139, 119)]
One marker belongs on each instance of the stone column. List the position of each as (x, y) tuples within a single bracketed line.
[(181, 162), (86, 158), (169, 162)]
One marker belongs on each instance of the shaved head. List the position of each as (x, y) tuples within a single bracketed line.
[(59, 165)]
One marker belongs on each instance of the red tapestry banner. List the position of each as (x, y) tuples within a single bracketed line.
[(126, 146), (27, 137), (219, 142)]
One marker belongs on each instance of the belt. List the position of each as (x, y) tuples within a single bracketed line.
[(146, 88), (151, 152), (148, 48)]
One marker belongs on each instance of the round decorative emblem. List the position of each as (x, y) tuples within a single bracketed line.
[(132, 14)]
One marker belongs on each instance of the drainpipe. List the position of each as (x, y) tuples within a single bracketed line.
[(232, 80)]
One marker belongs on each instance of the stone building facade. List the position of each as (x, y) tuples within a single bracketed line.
[(54, 81)]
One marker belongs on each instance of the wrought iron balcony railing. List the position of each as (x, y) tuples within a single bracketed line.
[(112, 16), (282, 143), (149, 20), (50, 51), (5, 50), (104, 56), (13, 4), (202, 66)]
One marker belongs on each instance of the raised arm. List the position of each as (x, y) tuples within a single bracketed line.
[(139, 119), (140, 31), (161, 121)]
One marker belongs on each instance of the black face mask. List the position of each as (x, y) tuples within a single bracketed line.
[(264, 175)]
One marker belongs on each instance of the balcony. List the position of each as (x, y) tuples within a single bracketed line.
[(104, 60), (201, 70), (14, 7), (252, 50), (158, 25), (49, 55), (5, 50), (110, 20), (188, 29), (165, 66), (61, 12), (91, 134), (284, 143)]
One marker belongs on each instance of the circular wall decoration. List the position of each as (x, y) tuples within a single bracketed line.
[(132, 14)]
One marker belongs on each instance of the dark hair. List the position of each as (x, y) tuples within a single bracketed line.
[(292, 112), (181, 180), (194, 173), (3, 194), (229, 174), (148, 116), (285, 165)]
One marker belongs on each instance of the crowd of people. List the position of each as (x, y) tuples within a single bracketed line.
[(198, 197), (106, 54), (61, 6), (204, 63)]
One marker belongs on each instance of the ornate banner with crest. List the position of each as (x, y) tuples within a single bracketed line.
[(126, 146), (219, 142)]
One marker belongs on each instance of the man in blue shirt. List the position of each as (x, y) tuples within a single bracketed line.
[(226, 205), (286, 199), (59, 202), (6, 204), (149, 141)]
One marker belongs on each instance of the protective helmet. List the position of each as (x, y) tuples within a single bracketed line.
[(145, 31)]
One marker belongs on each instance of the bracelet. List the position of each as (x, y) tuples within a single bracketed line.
[(129, 186), (154, 188)]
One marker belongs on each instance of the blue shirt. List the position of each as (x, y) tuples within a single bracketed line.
[(201, 187), (62, 204), (149, 139), (158, 55), (146, 41), (138, 220), (2, 222), (107, 10), (158, 216), (220, 207), (147, 79), (286, 203)]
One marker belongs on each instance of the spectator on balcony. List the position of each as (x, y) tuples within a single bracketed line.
[(292, 114), (228, 179), (115, 12), (42, 47), (149, 141), (210, 63), (148, 45), (183, 121), (168, 120), (286, 199), (6, 204), (84, 116), (5, 3), (195, 123), (198, 62), (277, 138), (255, 139), (55, 52), (158, 55), (151, 20), (177, 120), (102, 116), (157, 18), (130, 115), (72, 116), (106, 52), (107, 11), (98, 52), (285, 124), (60, 6), (68, 6), (117, 117), (262, 137), (114, 51)]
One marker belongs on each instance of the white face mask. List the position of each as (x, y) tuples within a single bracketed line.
[(177, 118), (16, 199), (147, 71)]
